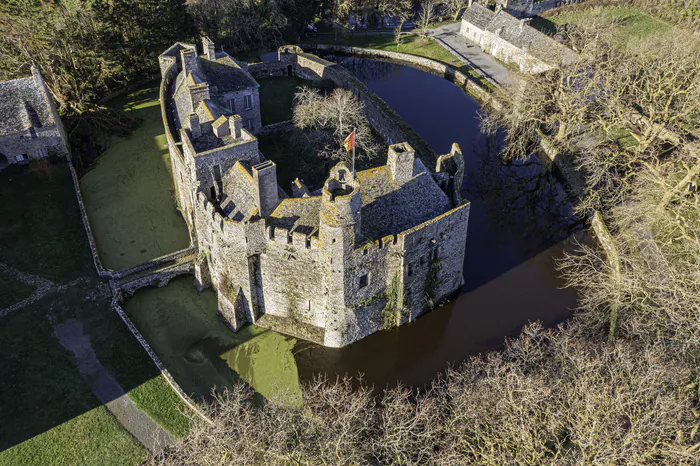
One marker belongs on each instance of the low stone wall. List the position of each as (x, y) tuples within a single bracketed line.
[(276, 128), (438, 68), (268, 69), (168, 259), (159, 278), (156, 360), (101, 271)]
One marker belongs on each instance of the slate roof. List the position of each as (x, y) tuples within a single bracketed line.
[(478, 15), (238, 192), (537, 44), (225, 75), (22, 104), (387, 207)]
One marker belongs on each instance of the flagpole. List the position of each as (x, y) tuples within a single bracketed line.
[(354, 143)]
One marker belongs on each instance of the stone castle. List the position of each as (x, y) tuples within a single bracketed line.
[(333, 265), (30, 127)]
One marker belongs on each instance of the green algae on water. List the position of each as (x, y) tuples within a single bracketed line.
[(129, 194), (201, 352)]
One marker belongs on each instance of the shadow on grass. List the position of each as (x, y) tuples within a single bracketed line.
[(40, 385)]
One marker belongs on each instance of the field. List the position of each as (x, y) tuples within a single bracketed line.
[(631, 27), (49, 414), (129, 193)]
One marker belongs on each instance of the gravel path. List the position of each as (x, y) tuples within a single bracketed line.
[(43, 287), (108, 391)]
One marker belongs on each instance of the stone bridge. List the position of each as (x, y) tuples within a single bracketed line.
[(156, 272)]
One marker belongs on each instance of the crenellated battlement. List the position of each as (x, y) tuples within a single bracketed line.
[(324, 261)]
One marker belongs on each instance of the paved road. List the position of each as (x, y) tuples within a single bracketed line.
[(108, 391), (470, 54)]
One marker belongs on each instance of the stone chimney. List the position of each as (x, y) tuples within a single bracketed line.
[(235, 124), (400, 160), (266, 194), (195, 127), (524, 22), (208, 48), (198, 94), (189, 60)]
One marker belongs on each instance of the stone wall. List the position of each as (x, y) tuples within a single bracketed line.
[(526, 8)]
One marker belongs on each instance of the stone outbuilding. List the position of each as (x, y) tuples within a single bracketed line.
[(513, 40), (528, 8), (30, 127)]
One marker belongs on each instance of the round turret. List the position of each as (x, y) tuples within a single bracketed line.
[(341, 202)]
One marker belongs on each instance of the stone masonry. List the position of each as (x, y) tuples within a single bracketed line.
[(513, 40), (30, 127), (367, 250)]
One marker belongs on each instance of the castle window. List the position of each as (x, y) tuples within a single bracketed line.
[(231, 104), (364, 280), (410, 269), (249, 124), (32, 131), (365, 251), (247, 102)]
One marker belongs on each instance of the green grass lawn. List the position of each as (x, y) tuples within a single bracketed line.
[(629, 25), (412, 44), (41, 230), (276, 96), (129, 194), (202, 353), (49, 415), (12, 290)]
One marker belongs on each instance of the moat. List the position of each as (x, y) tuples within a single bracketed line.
[(518, 219)]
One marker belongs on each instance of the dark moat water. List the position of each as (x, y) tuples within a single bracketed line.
[(518, 226)]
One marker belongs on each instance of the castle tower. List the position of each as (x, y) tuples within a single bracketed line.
[(339, 229)]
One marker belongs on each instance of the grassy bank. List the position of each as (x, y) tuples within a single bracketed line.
[(202, 353), (631, 27), (276, 96), (49, 415), (411, 44), (129, 194)]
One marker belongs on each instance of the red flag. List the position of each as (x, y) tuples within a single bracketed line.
[(349, 142)]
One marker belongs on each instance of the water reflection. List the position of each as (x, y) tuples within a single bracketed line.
[(518, 216)]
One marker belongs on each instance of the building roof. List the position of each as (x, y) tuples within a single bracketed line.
[(388, 208), (519, 34), (23, 105), (237, 201), (524, 36), (478, 15), (225, 75)]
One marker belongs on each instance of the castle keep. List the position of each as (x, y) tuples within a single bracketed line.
[(333, 265), (30, 127)]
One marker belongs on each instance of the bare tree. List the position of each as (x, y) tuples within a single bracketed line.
[(328, 120), (399, 9), (426, 15), (549, 398), (454, 7)]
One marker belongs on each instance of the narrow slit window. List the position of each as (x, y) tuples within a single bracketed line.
[(364, 280)]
